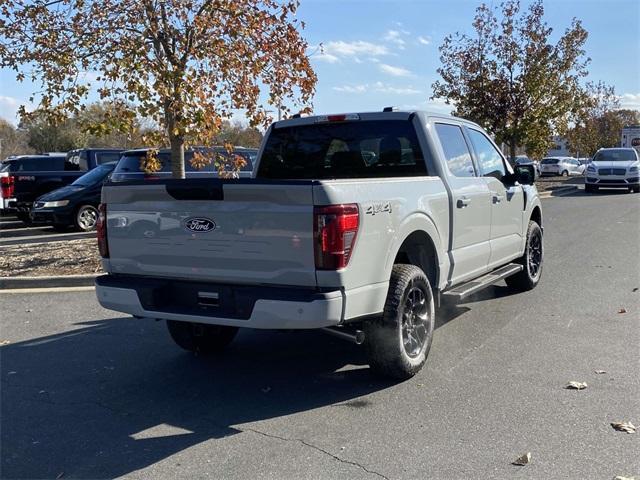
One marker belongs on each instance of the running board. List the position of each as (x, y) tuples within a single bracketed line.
[(466, 289)]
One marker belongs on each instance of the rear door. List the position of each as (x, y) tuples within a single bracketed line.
[(243, 232), (507, 201), (471, 207)]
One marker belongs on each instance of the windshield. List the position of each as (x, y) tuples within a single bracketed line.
[(549, 161), (96, 175), (357, 149), (626, 155), (5, 167)]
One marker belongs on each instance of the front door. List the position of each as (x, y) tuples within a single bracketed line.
[(507, 201)]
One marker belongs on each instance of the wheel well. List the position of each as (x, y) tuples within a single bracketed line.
[(536, 215), (418, 249)]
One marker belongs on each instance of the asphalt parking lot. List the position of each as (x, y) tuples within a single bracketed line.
[(15, 232), (87, 393)]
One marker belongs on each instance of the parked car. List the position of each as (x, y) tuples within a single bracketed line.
[(564, 166), (129, 165), (73, 205), (327, 235), (31, 176), (613, 168)]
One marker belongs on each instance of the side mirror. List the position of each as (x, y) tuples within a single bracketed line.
[(525, 174)]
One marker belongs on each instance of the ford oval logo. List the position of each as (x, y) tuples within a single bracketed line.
[(199, 225)]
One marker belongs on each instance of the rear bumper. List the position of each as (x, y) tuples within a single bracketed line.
[(240, 306)]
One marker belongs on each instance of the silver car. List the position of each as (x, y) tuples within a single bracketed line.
[(564, 166)]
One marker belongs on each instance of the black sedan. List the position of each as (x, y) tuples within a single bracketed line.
[(74, 205)]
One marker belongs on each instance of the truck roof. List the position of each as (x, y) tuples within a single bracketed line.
[(387, 114)]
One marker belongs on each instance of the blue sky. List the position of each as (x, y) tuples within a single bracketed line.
[(379, 53)]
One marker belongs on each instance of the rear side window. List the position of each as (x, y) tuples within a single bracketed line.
[(456, 151), (489, 158), (356, 149), (549, 161), (107, 157)]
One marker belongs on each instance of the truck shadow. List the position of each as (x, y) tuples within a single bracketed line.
[(114, 396)]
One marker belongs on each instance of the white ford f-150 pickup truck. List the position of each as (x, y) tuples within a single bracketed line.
[(356, 223)]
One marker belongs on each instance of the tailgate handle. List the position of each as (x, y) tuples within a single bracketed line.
[(208, 299), (191, 192)]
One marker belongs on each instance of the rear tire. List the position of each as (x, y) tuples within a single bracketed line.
[(398, 342), (201, 338), (532, 260), (634, 189)]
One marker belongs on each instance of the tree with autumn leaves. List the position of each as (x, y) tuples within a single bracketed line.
[(185, 64), (509, 76)]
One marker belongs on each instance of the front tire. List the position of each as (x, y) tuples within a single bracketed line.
[(200, 337), (531, 260), (589, 188), (86, 218), (398, 343), (565, 173)]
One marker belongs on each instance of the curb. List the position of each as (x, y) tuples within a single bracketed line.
[(48, 282), (557, 192)]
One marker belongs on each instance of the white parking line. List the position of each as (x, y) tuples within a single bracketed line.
[(48, 290)]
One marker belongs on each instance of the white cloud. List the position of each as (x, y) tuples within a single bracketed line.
[(424, 40), (394, 36), (630, 100), (9, 108), (325, 57), (378, 87), (395, 71), (352, 49), (352, 88)]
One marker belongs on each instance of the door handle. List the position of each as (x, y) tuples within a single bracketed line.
[(497, 198), (463, 202)]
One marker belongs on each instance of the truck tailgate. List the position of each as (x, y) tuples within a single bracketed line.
[(222, 231)]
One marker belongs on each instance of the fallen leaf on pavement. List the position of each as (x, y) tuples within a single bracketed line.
[(624, 427), (600, 372), (622, 310), (523, 460), (28, 310), (5, 342), (635, 289), (266, 389), (572, 385)]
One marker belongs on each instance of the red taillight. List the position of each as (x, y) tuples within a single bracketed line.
[(101, 230), (7, 184), (335, 228)]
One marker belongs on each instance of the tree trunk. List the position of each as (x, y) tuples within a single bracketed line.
[(512, 151), (177, 156)]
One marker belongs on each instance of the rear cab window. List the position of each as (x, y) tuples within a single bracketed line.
[(35, 164), (340, 150)]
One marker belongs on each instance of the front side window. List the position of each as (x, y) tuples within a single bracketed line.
[(456, 151), (489, 158)]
